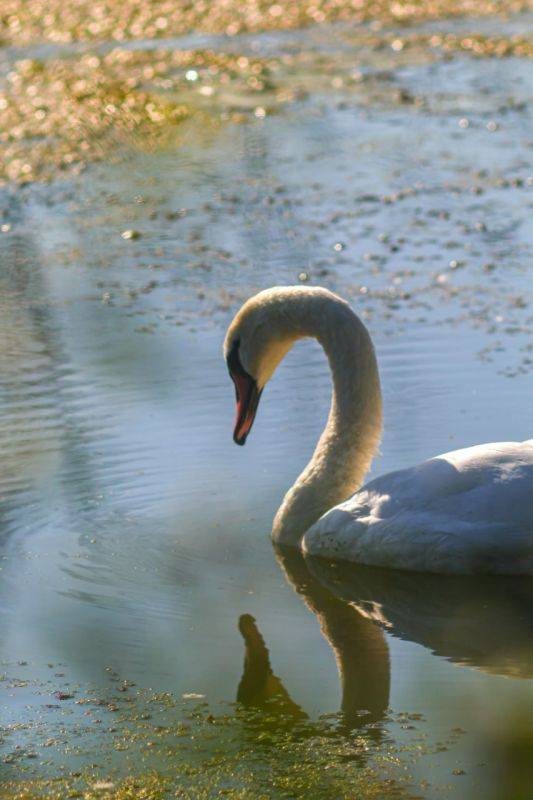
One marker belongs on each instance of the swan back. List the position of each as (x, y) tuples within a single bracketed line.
[(467, 511)]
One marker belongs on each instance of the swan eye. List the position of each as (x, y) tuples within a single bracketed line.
[(233, 360)]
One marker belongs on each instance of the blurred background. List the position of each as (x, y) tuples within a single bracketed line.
[(161, 162)]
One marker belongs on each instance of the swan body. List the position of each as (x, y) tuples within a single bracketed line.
[(468, 511)]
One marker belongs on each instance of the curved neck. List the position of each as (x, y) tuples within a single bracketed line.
[(352, 433)]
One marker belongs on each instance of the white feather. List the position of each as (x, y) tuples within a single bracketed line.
[(466, 511)]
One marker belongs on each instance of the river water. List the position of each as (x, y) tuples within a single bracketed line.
[(134, 534)]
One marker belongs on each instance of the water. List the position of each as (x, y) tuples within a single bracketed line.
[(134, 535)]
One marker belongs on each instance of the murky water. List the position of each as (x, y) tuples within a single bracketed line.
[(134, 535)]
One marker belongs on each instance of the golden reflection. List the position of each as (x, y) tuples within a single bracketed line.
[(64, 21), (63, 112)]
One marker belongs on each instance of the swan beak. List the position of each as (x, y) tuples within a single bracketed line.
[(247, 395)]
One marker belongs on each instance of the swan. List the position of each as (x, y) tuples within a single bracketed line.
[(468, 511)]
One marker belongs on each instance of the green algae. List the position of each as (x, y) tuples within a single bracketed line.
[(137, 744)]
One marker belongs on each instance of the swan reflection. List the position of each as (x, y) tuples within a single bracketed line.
[(359, 647), (483, 621)]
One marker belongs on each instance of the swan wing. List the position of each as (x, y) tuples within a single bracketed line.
[(467, 511)]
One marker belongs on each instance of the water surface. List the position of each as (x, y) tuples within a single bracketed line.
[(134, 535)]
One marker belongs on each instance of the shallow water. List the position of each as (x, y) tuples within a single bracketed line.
[(134, 535)]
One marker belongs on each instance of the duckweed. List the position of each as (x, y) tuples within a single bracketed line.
[(150, 746), (24, 21), (64, 112)]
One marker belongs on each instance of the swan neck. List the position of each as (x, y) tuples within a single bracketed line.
[(351, 436)]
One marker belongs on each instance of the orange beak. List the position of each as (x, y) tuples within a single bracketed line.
[(247, 397)]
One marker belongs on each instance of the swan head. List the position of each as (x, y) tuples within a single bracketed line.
[(257, 339)]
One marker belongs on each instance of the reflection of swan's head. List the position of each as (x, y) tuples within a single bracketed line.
[(247, 625), (259, 687)]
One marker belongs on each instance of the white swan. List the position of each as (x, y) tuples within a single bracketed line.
[(462, 512)]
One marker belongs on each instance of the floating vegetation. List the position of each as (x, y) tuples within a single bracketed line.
[(138, 744), (474, 44), (63, 112), (486, 46), (24, 21)]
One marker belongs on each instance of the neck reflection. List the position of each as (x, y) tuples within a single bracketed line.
[(359, 647)]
